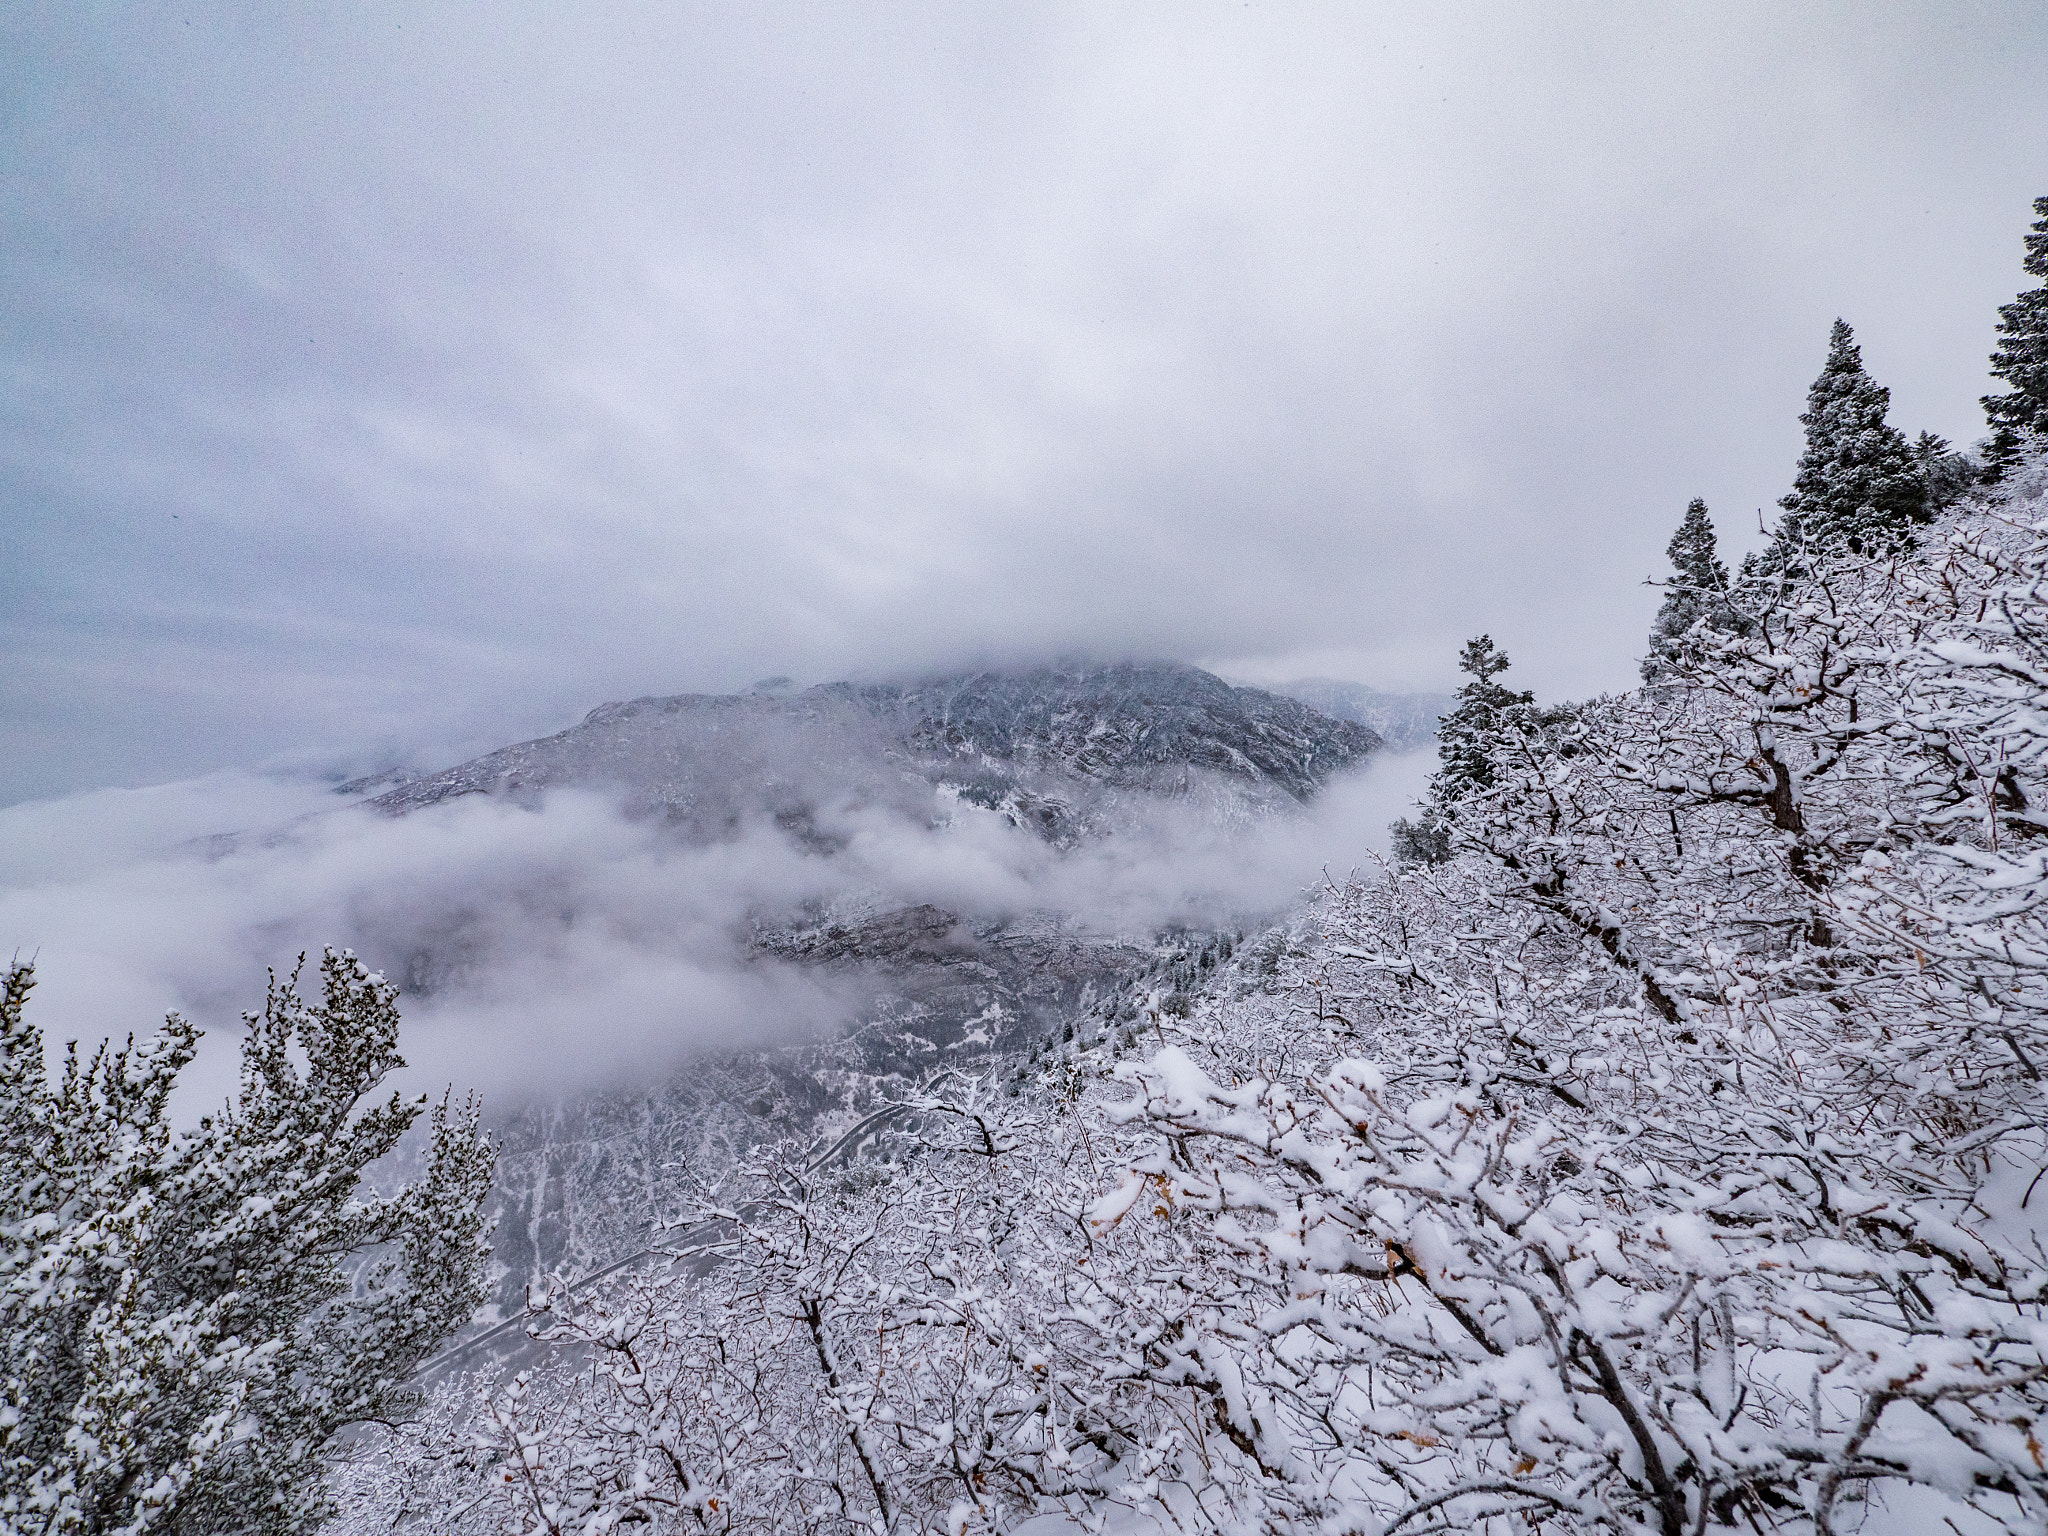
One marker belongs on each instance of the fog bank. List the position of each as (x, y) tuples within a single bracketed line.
[(563, 945)]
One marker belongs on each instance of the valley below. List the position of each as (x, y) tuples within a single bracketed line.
[(1078, 828)]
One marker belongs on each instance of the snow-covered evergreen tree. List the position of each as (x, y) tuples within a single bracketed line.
[(1468, 735), (1696, 598), (1418, 841), (1482, 717), (2022, 357), (1950, 472), (1859, 483), (187, 1319)]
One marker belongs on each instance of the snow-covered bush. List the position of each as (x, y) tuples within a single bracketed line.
[(180, 1339), (1656, 1155), (1670, 1170), (931, 1351)]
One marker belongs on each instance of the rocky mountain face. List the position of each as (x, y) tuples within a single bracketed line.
[(1063, 741), (1404, 721), (1143, 727), (1068, 754)]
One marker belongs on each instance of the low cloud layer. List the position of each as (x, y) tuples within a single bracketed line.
[(566, 945)]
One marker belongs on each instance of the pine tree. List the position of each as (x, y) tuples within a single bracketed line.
[(1859, 482), (1419, 842), (1467, 739), (1483, 711), (1949, 472), (2021, 359), (1697, 595), (188, 1319)]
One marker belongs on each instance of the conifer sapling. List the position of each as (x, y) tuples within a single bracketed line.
[(1696, 597)]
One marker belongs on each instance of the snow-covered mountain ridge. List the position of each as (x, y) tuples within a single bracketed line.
[(704, 760), (1131, 726)]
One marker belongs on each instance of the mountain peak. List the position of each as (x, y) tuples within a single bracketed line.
[(1159, 727)]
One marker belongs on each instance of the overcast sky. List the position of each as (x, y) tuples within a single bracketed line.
[(410, 378)]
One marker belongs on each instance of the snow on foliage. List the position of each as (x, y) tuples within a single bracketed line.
[(182, 1340), (1660, 1161)]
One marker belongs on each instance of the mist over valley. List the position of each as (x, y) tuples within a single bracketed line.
[(687, 925)]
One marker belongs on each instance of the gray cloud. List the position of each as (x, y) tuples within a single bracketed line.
[(374, 378)]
